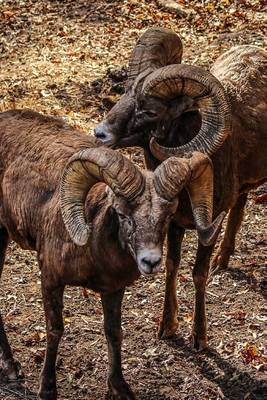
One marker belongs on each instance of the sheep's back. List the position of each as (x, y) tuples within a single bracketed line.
[(34, 150)]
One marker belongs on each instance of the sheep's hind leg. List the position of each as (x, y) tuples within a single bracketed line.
[(9, 369), (227, 247), (53, 306), (169, 323), (118, 388)]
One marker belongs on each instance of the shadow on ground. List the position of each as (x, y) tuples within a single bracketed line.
[(233, 383)]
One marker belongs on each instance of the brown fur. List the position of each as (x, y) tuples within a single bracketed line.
[(34, 150), (239, 165)]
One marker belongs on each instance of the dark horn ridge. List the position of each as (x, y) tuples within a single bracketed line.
[(195, 173), (85, 169), (177, 80), (171, 176), (156, 48)]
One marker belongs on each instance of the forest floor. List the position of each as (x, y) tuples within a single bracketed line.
[(65, 58)]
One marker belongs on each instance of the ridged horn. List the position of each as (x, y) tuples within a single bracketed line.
[(196, 174), (156, 48), (83, 170), (178, 80), (200, 190), (171, 176)]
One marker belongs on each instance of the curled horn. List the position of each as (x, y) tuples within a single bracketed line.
[(171, 176), (156, 48), (196, 175), (86, 168), (178, 80)]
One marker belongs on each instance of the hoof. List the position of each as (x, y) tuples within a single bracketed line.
[(112, 396), (216, 270), (219, 262), (120, 391), (199, 344), (47, 394), (167, 329), (10, 371)]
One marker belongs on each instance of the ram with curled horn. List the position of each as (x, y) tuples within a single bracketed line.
[(222, 114), (94, 219)]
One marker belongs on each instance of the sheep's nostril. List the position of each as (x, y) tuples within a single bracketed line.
[(151, 262), (99, 134)]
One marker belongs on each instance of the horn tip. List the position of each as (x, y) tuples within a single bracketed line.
[(81, 237), (155, 150), (208, 236)]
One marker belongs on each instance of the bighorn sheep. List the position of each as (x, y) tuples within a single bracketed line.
[(101, 238), (222, 114)]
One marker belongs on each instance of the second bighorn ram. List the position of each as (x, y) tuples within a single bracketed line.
[(223, 114), (94, 219)]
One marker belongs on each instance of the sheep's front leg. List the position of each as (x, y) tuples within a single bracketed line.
[(200, 276), (9, 369), (169, 322), (227, 246), (111, 303), (53, 306)]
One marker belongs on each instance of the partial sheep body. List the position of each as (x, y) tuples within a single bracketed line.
[(101, 239), (243, 73), (34, 151), (222, 114), (23, 137)]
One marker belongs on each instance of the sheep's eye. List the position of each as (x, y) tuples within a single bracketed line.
[(125, 219), (150, 114), (145, 114), (122, 216)]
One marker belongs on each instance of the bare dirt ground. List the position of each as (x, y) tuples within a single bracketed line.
[(59, 57)]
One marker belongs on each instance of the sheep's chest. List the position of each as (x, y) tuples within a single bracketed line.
[(78, 267)]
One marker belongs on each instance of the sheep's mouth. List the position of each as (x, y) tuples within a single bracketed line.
[(149, 261), (150, 272), (134, 139), (107, 140)]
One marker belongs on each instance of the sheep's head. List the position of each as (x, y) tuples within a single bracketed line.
[(134, 120), (143, 202), (124, 125), (138, 213), (142, 224), (116, 130), (180, 105)]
